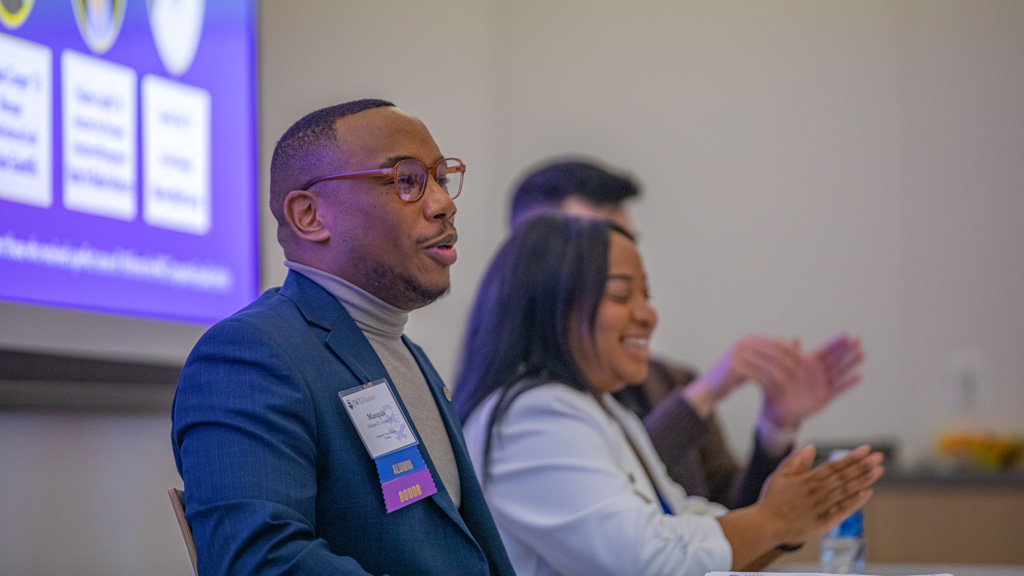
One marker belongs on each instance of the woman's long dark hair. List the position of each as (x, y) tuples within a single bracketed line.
[(550, 274)]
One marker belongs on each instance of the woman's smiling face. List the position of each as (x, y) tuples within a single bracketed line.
[(616, 354)]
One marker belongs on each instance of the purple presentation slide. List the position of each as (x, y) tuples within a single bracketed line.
[(128, 156)]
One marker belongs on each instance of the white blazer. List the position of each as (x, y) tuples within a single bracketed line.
[(570, 496)]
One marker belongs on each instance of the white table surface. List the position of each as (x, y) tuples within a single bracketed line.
[(909, 569)]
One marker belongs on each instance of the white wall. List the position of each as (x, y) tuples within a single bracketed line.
[(809, 167)]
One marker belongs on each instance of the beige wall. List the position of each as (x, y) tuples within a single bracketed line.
[(809, 167)]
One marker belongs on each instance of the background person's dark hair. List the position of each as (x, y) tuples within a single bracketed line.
[(546, 188), (548, 276), (550, 272), (307, 150)]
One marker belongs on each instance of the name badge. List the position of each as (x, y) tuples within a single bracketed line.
[(378, 419), (404, 477)]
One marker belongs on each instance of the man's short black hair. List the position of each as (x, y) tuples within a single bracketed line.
[(307, 150), (546, 188)]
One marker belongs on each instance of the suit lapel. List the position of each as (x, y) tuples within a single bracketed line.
[(350, 345), (344, 338), (467, 477), (477, 522)]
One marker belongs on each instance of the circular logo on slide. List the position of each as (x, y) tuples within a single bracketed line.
[(177, 26), (14, 12), (99, 22)]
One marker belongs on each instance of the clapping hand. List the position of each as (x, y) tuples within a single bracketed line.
[(764, 359), (808, 502), (823, 374)]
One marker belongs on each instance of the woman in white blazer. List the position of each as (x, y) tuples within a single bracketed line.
[(562, 318)]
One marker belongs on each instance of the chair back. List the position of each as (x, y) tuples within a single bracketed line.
[(178, 503)]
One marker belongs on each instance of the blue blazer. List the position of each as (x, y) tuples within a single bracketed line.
[(276, 476)]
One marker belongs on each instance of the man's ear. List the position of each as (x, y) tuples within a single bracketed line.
[(301, 212)]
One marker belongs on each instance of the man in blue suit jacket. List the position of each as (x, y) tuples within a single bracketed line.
[(277, 477)]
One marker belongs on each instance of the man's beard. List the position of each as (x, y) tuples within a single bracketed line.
[(421, 294), (404, 290)]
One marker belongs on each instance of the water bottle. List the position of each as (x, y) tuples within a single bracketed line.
[(842, 549)]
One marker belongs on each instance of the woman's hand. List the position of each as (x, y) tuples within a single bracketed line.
[(799, 503), (806, 503)]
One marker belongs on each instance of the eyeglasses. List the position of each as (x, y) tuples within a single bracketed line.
[(410, 176)]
